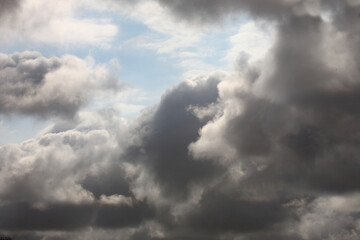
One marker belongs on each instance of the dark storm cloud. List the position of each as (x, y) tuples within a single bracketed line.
[(298, 121), (109, 216), (34, 85), (164, 148), (146, 235), (251, 127), (321, 108), (220, 213), (21, 216), (109, 181), (295, 135), (24, 217), (56, 179)]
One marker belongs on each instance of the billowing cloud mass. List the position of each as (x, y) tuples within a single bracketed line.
[(269, 150), (34, 85)]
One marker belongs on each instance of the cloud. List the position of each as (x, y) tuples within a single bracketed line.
[(110, 216), (167, 133), (286, 124), (202, 11), (55, 24), (18, 215), (252, 39), (169, 35), (41, 170), (55, 180), (334, 217), (279, 117), (8, 6), (268, 151), (34, 85), (219, 213), (88, 166)]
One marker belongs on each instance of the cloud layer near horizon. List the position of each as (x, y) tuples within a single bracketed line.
[(268, 151)]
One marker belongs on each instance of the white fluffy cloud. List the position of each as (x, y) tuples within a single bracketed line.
[(50, 168)]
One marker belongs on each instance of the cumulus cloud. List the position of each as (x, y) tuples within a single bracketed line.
[(168, 132), (268, 151), (48, 178), (35, 85), (44, 167)]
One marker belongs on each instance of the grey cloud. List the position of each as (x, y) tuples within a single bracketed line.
[(69, 217), (109, 181), (168, 132), (163, 150), (8, 8), (21, 216), (123, 216), (203, 11), (299, 38), (221, 213), (34, 85), (331, 217), (298, 116), (303, 80), (292, 128), (255, 123), (63, 183), (53, 167), (295, 135)]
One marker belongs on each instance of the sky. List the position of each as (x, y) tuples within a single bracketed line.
[(180, 120)]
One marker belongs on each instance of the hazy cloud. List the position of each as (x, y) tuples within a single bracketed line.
[(8, 7), (55, 24), (203, 11)]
